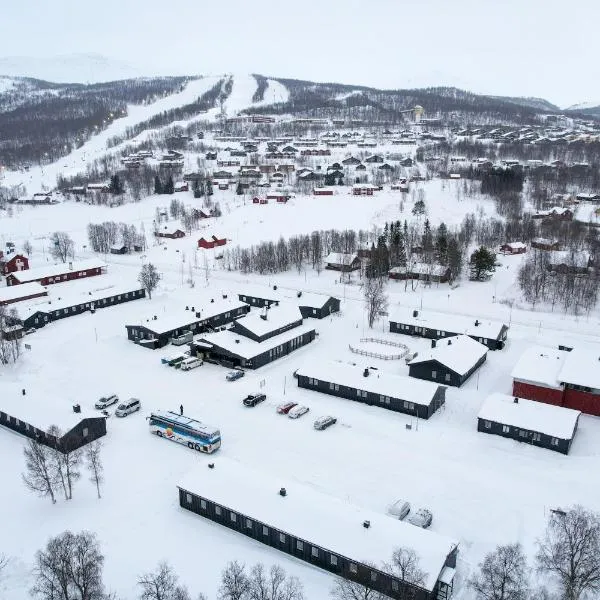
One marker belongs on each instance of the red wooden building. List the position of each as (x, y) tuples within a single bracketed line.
[(213, 242), (257, 200), (17, 262), (19, 293), (278, 197), (563, 377), (58, 273), (363, 189)]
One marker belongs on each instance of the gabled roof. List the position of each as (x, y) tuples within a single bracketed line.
[(459, 353), (276, 318), (582, 367), (339, 258)]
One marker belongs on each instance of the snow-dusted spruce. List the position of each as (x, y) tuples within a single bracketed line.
[(482, 264), (39, 475), (570, 552), (69, 568), (502, 575), (163, 584), (149, 278), (61, 246), (93, 462)]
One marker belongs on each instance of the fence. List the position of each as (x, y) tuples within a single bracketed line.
[(372, 354)]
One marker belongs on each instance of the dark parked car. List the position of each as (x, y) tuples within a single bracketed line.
[(254, 399)]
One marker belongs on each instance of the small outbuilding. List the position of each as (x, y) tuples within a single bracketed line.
[(530, 422), (344, 262)]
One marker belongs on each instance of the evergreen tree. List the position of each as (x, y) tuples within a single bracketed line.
[(239, 190), (418, 208), (340, 180), (441, 244), (454, 257), (329, 179), (116, 186), (158, 188), (427, 241), (169, 187), (482, 264), (209, 188)]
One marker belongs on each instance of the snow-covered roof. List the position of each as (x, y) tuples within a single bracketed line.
[(582, 367), (378, 382), (309, 299), (459, 353), (539, 417), (452, 323), (339, 258), (247, 348), (325, 521), (580, 258), (276, 318), (59, 269), (421, 269), (515, 245), (540, 365), (11, 293)]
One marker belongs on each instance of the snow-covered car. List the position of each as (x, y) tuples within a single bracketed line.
[(106, 401), (324, 422), (421, 518), (399, 509), (126, 408), (254, 399), (233, 375), (297, 411), (284, 409)]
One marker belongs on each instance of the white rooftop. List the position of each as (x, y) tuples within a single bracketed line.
[(12, 293), (317, 518), (311, 299), (453, 323), (247, 348), (459, 353), (58, 269), (339, 258), (378, 382), (540, 365), (555, 421), (276, 318), (582, 367)]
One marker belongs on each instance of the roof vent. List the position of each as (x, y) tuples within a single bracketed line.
[(193, 309), (415, 313), (154, 318), (212, 300), (211, 465), (299, 294), (366, 524), (449, 342), (224, 296), (187, 308), (516, 400), (275, 287), (476, 322), (283, 492), (366, 373), (237, 341)]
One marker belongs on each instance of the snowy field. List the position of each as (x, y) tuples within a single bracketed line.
[(483, 490)]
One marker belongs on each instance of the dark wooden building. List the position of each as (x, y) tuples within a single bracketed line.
[(311, 305), (451, 361), (437, 326), (529, 422), (338, 261), (57, 309), (268, 323), (266, 509), (376, 388), (79, 432)]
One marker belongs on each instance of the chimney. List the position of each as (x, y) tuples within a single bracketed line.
[(237, 341), (299, 294), (415, 313), (476, 322), (283, 492), (449, 342), (516, 400), (211, 465), (433, 343), (366, 373), (366, 524)]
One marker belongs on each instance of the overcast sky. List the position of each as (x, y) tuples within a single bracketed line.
[(546, 48)]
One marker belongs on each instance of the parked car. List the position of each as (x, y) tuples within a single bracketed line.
[(284, 409), (190, 363), (399, 509), (297, 411), (126, 408), (254, 399), (324, 422), (106, 401), (421, 518), (233, 375)]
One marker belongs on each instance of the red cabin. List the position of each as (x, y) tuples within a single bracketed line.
[(18, 262)]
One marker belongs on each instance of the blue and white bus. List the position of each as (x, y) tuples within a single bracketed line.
[(184, 430)]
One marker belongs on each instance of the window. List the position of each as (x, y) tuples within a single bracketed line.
[(203, 504), (314, 552), (447, 377), (395, 585), (188, 498), (218, 510), (299, 545), (554, 441), (487, 424), (505, 429), (373, 576), (434, 374), (331, 386), (282, 538), (233, 517), (333, 560), (522, 433), (85, 432), (248, 524), (409, 405), (265, 530), (353, 568), (537, 437), (358, 393)]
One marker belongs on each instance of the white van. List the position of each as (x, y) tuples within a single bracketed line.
[(128, 407), (190, 363)]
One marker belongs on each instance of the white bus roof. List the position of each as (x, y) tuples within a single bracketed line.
[(186, 422)]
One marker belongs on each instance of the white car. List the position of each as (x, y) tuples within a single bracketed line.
[(106, 401), (399, 509), (420, 518), (297, 411), (126, 408)]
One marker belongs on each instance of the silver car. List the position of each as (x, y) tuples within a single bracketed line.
[(106, 401), (126, 408)]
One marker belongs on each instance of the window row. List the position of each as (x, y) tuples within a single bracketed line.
[(523, 433)]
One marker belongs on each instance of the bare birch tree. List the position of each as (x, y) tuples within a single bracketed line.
[(375, 298), (93, 460), (61, 246), (345, 589), (235, 584), (162, 584), (39, 475)]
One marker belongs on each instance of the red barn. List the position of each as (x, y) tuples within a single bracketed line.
[(17, 262), (58, 273), (560, 377), (18, 293)]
